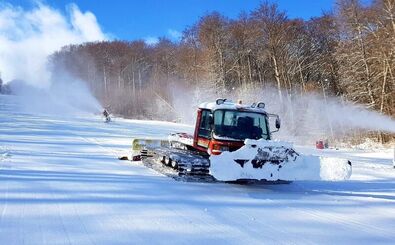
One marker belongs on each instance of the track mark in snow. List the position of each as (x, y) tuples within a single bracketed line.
[(5, 200), (56, 192), (96, 142), (4, 153), (251, 220), (346, 222)]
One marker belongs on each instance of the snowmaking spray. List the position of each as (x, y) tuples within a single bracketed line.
[(306, 118), (332, 117), (58, 99), (312, 116), (28, 38)]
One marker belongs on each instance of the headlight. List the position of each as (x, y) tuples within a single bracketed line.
[(220, 148)]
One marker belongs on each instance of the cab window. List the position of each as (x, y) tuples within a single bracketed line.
[(205, 127)]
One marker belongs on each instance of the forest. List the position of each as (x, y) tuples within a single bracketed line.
[(347, 54)]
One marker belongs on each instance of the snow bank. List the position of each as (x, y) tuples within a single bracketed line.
[(240, 164)]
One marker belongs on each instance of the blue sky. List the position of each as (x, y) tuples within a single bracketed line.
[(149, 19)]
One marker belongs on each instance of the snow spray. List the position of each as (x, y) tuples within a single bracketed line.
[(354, 116), (59, 98), (306, 118), (28, 38)]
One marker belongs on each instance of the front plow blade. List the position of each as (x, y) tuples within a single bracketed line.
[(140, 148), (273, 161)]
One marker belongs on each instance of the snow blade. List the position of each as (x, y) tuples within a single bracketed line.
[(140, 146), (273, 161)]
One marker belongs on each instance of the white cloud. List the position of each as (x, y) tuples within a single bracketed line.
[(27, 37), (151, 40), (85, 23), (174, 34)]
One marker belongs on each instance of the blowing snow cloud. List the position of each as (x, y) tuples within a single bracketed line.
[(27, 37)]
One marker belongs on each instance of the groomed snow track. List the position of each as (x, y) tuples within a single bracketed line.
[(61, 183)]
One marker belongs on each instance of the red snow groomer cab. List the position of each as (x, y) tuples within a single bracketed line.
[(224, 125), (232, 141), (220, 126)]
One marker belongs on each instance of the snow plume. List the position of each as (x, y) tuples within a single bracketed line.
[(349, 115), (186, 99), (60, 98), (311, 116), (27, 37), (305, 118)]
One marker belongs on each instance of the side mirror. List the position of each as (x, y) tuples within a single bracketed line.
[(278, 123)]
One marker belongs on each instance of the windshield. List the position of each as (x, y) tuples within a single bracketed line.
[(240, 125)]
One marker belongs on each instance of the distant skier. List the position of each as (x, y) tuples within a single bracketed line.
[(393, 159), (106, 115)]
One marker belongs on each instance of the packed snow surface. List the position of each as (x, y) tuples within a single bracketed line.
[(61, 183), (294, 166)]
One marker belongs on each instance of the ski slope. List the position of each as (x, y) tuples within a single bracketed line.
[(61, 183)]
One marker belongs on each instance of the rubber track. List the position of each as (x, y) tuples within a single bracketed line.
[(191, 167)]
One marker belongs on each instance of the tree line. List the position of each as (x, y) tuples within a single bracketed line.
[(348, 53)]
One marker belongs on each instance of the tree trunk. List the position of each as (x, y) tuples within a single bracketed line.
[(277, 77), (105, 83)]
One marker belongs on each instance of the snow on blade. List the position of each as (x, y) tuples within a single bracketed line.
[(335, 169), (275, 160)]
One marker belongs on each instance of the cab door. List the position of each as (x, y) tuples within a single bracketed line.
[(203, 129)]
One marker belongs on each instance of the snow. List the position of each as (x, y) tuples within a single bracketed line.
[(295, 167), (183, 138), (229, 105), (4, 153), (62, 184), (268, 143)]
